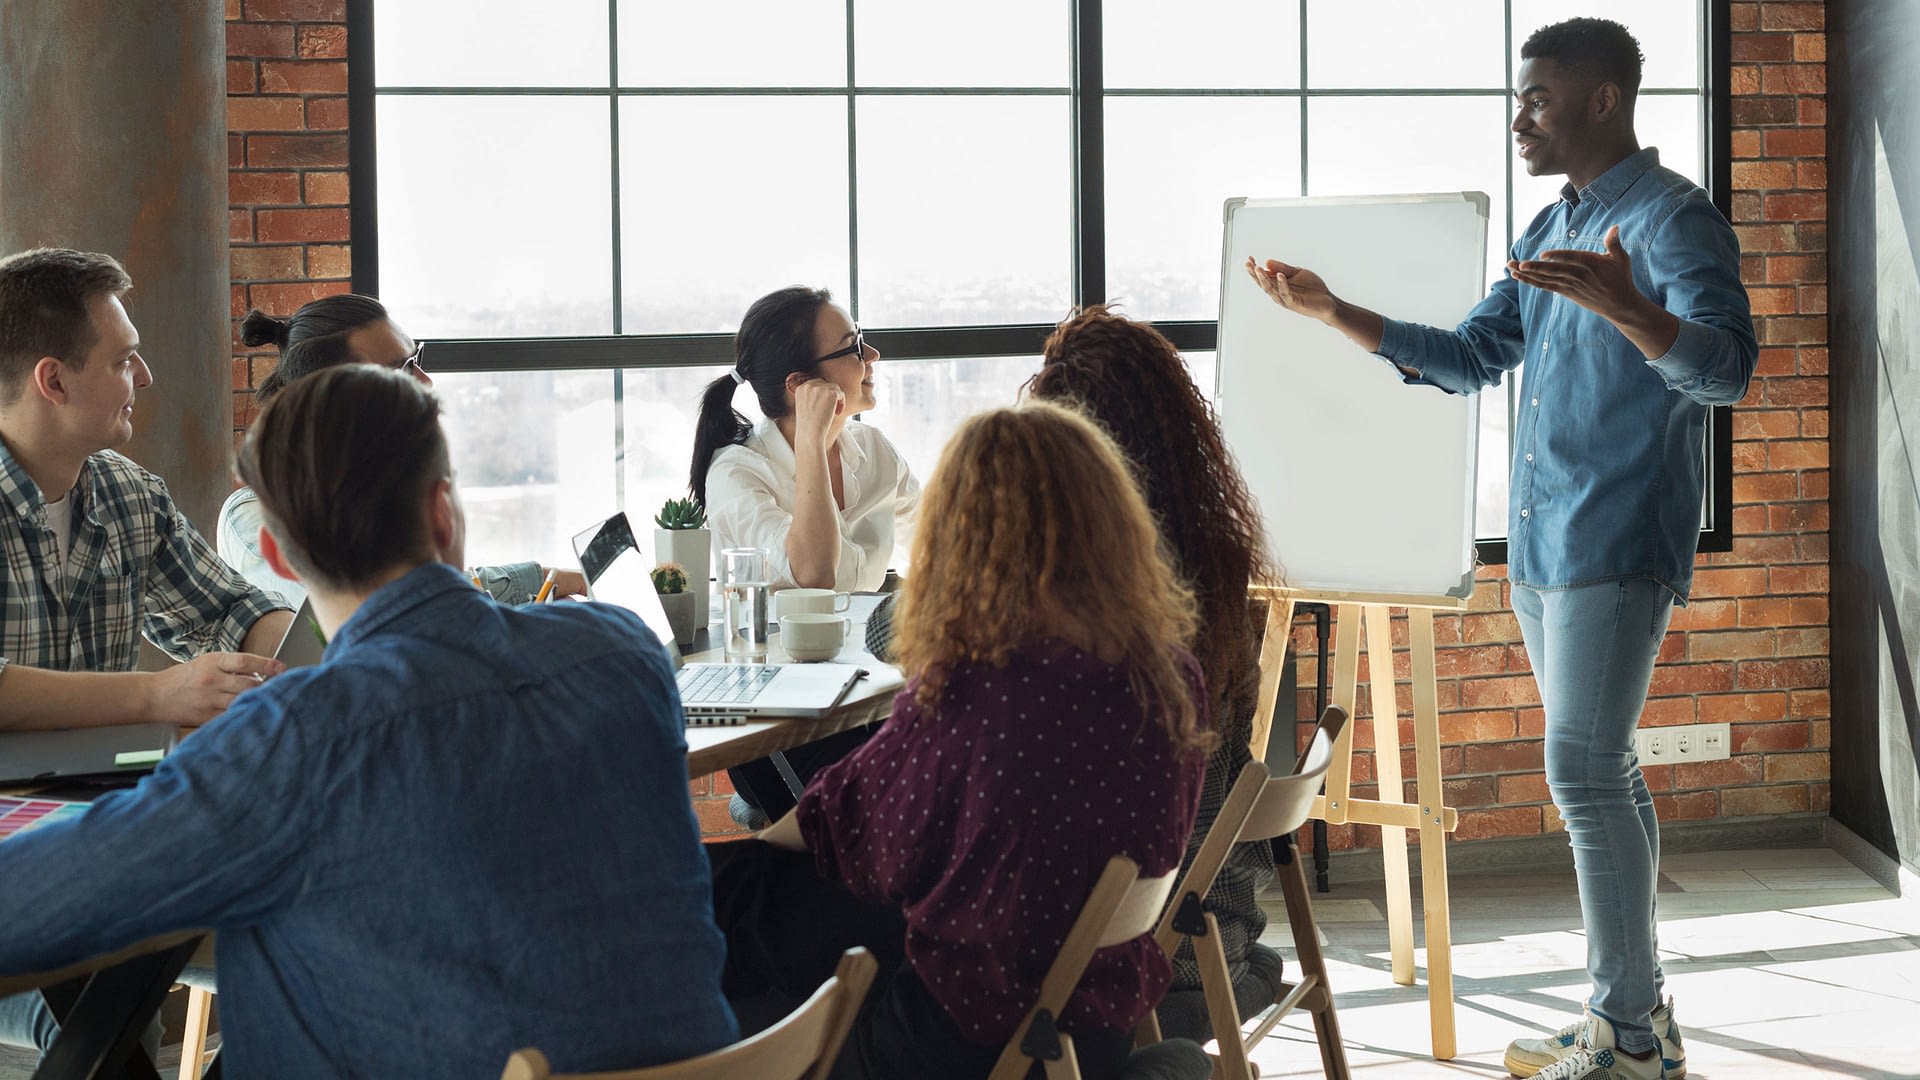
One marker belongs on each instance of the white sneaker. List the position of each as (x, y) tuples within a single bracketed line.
[(1526, 1057), (1595, 1057)]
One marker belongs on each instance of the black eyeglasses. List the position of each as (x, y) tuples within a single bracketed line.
[(858, 348), (410, 363)]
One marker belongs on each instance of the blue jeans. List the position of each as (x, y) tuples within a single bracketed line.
[(1592, 650)]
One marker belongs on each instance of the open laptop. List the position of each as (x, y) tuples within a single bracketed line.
[(617, 573), (115, 750), (303, 644)]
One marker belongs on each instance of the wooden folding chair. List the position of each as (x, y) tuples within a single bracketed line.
[(1259, 807), (193, 1044), (1120, 908), (804, 1044)]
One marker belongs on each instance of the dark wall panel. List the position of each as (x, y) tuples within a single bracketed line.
[(1874, 173)]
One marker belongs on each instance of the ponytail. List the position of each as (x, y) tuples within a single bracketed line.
[(720, 424), (775, 340), (310, 339)]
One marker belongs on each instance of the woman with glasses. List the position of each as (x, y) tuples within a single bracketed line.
[(328, 332), (828, 497)]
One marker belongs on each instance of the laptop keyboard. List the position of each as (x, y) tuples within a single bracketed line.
[(724, 684)]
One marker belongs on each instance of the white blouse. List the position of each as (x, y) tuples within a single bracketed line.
[(750, 493)]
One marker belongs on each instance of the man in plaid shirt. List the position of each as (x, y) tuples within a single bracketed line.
[(96, 551)]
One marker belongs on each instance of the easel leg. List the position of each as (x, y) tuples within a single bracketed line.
[(1433, 835), (1386, 766), (1273, 657), (1346, 691)]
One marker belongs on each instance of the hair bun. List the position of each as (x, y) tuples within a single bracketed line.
[(260, 328)]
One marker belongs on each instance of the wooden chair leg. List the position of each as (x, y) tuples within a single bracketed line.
[(1223, 1011), (1313, 963), (1067, 1065), (193, 1042)]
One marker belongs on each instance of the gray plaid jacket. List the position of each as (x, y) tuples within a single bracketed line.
[(137, 566)]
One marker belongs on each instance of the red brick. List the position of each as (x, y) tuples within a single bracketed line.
[(1813, 485), (1523, 788), (1749, 519), (302, 226), (1689, 806), (1813, 548), (1743, 17), (1502, 757), (328, 42), (1762, 48), (233, 9), (1793, 79), (309, 77), (1811, 235), (263, 188), (1805, 641), (1455, 662), (1810, 48), (1775, 361), (1797, 517), (325, 189), (1489, 726), (1793, 330), (1810, 391), (1736, 645), (1667, 711), (297, 10), (1762, 175), (1484, 693), (1747, 581), (1499, 821), (1498, 626), (266, 263), (1796, 269), (1812, 301), (1813, 358), (264, 114), (1773, 302), (715, 822), (239, 225), (1766, 611), (1746, 144), (1799, 206), (1809, 704), (1757, 802), (1761, 550), (1703, 614), (240, 77), (1474, 791), (1742, 708), (327, 114), (283, 299), (257, 39), (1692, 776), (1759, 112), (1788, 580), (1813, 112), (1797, 454), (1674, 679), (1794, 142), (1743, 80), (1810, 15), (1810, 175), (1809, 672), (296, 151), (1765, 237)]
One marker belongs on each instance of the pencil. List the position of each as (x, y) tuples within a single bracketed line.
[(546, 589)]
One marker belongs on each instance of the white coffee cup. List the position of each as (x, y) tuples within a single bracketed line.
[(813, 635), (822, 601)]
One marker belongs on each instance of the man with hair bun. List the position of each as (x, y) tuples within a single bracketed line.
[(1624, 300), (465, 831)]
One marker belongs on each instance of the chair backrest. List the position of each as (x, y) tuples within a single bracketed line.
[(1121, 907), (805, 1043), (1285, 801)]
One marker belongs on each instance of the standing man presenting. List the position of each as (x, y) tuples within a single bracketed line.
[(1624, 300)]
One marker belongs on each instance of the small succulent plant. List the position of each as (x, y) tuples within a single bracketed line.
[(669, 577), (681, 514)]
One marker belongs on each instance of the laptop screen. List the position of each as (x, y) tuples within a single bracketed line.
[(617, 573)]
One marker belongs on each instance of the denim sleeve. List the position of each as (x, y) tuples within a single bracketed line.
[(214, 837), (512, 583), (1487, 344), (1694, 264)]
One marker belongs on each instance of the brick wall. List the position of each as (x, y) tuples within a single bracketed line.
[(287, 155), (1751, 650)]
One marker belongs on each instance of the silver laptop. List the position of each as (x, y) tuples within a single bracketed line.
[(303, 644), (617, 573), (115, 750)]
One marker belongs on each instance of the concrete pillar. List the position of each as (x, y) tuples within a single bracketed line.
[(113, 137)]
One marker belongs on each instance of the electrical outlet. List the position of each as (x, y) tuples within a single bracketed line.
[(1686, 742)]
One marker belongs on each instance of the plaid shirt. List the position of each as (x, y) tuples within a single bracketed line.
[(136, 564)]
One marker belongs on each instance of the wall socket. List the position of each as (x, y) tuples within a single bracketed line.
[(1686, 742)]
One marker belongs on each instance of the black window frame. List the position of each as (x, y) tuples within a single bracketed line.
[(1087, 96)]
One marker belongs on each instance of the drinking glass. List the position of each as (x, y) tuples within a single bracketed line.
[(743, 588)]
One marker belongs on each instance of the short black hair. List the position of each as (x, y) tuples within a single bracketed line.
[(1598, 48)]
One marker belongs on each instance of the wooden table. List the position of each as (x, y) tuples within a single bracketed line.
[(711, 749)]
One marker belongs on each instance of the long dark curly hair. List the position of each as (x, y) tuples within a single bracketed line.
[(1130, 379)]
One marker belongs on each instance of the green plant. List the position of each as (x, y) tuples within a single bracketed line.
[(681, 514), (669, 577)]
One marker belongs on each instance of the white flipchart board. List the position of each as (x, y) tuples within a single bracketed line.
[(1365, 484)]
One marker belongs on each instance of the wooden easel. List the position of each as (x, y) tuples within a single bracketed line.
[(1429, 812)]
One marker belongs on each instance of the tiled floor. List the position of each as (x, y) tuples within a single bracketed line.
[(1784, 965)]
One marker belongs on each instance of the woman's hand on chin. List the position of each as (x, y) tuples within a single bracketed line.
[(816, 403)]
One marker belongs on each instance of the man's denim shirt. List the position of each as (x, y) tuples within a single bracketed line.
[(465, 832), (1607, 445)]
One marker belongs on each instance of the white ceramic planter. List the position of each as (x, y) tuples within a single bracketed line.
[(693, 550)]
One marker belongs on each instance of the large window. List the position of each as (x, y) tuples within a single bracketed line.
[(575, 201)]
